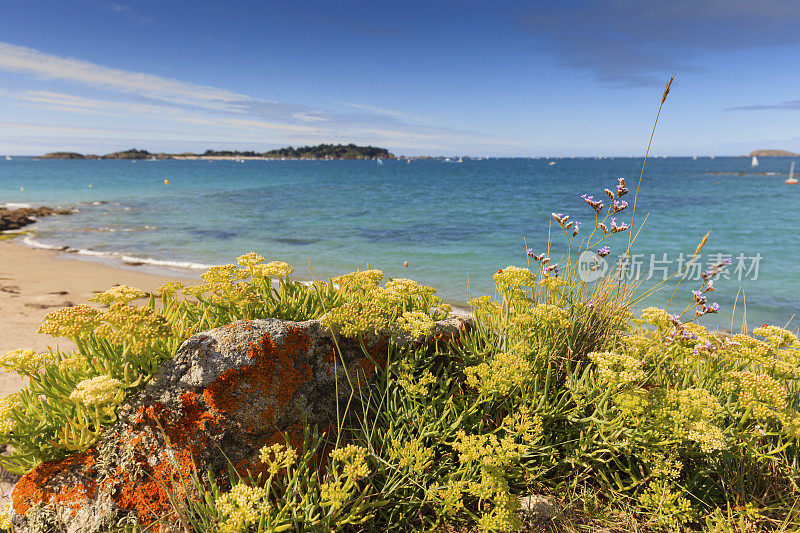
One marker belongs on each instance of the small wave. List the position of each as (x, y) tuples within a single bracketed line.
[(33, 243), (124, 230), (17, 205), (128, 259), (159, 262)]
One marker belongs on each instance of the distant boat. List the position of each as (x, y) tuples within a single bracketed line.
[(380, 161), (694, 158), (8, 158), (551, 163), (754, 162), (460, 159), (408, 161), (712, 157), (792, 180)]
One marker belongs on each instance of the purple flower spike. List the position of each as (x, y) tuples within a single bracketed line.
[(713, 308), (604, 251), (576, 228), (529, 251)]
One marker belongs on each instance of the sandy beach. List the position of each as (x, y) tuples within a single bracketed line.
[(35, 282)]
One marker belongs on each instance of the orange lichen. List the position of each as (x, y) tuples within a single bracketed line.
[(35, 487), (277, 372), (187, 435)]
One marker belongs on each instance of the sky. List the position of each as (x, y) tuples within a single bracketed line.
[(446, 77)]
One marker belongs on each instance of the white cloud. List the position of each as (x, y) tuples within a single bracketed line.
[(46, 66)]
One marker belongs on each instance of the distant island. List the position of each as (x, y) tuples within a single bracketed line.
[(322, 151), (770, 153)]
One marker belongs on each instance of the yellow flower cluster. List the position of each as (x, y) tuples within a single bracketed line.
[(223, 275), (504, 516), (411, 455), (445, 308), (552, 282), (335, 494), (171, 287), (672, 508), (493, 455), (7, 405), (140, 328), (524, 424), (416, 323), (249, 259), (70, 322), (120, 294), (25, 361), (274, 269), (777, 337), (637, 345), (657, 317), (512, 277), (98, 390), (416, 386), (483, 307), (353, 460), (72, 361), (691, 413), (547, 315), (277, 457), (242, 507), (504, 373), (617, 369), (359, 280), (763, 395), (451, 496), (488, 450), (661, 465), (408, 287), (359, 316)]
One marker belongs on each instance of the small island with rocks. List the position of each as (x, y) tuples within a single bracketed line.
[(322, 151)]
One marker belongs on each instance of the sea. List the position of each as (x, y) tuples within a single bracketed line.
[(448, 224)]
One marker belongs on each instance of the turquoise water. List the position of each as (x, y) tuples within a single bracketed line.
[(454, 223)]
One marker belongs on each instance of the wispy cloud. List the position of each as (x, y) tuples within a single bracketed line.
[(216, 112), (790, 105), (50, 67), (629, 42)]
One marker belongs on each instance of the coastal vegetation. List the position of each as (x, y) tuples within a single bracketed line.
[(322, 151), (624, 420)]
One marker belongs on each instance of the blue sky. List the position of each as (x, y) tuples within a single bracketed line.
[(552, 78)]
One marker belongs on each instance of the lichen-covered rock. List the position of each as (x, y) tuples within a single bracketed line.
[(226, 393)]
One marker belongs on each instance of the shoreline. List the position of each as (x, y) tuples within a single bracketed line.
[(35, 282)]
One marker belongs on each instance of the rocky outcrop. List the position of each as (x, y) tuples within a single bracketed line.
[(226, 393), (16, 218)]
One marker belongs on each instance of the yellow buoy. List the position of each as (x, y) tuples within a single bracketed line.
[(90, 185), (166, 182), (22, 188)]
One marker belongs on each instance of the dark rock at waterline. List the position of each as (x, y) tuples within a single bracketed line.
[(11, 219)]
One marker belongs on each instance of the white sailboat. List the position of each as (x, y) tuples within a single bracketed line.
[(792, 180), (754, 162), (8, 158)]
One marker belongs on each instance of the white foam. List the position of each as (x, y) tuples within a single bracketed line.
[(159, 262), (186, 265), (17, 205), (33, 243)]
